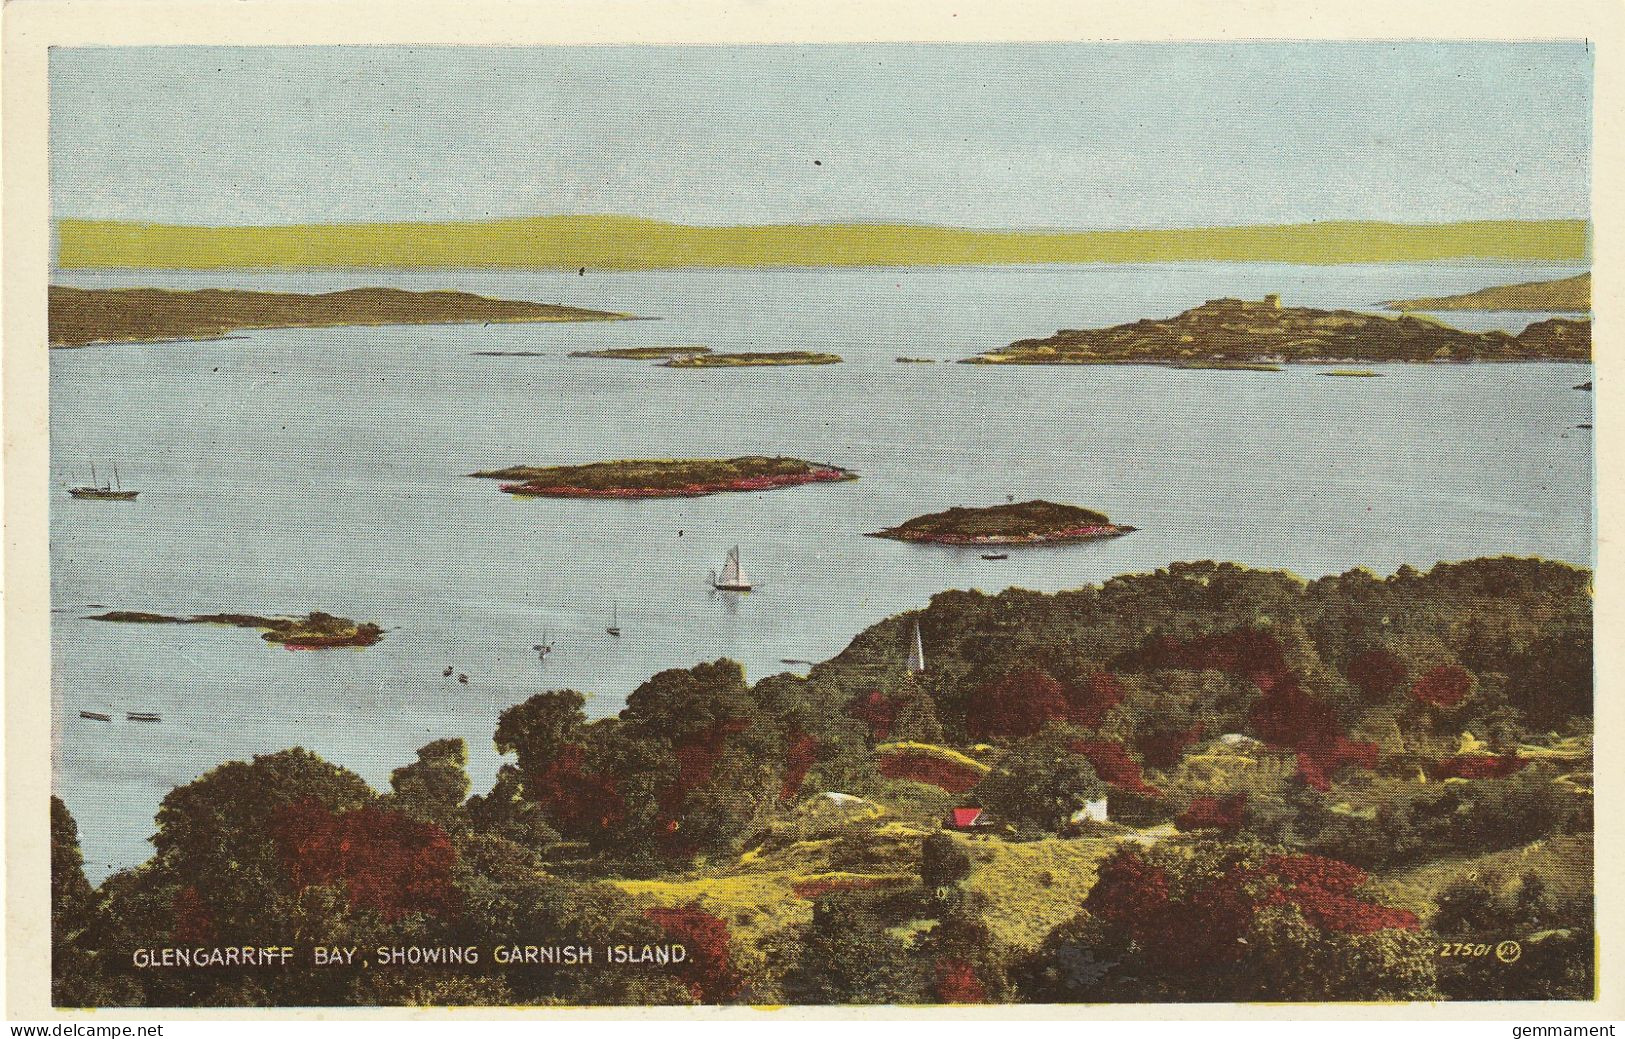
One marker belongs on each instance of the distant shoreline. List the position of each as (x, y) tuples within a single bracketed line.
[(1563, 296), (600, 243)]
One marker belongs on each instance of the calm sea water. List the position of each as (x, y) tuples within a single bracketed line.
[(298, 469)]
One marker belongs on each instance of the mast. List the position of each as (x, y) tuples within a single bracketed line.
[(115, 476), (93, 482)]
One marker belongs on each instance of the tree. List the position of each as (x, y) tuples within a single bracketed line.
[(1217, 922), (1040, 783), (847, 956), (506, 812), (539, 730), (216, 830), (433, 787), (943, 863), (77, 977)]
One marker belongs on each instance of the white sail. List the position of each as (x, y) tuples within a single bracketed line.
[(732, 573), (916, 652)]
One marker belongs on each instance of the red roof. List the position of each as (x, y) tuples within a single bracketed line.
[(964, 816)]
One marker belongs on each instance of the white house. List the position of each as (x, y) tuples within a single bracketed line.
[(1091, 812)]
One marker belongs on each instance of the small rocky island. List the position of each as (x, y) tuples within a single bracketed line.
[(83, 317), (1234, 332), (642, 353), (751, 360), (315, 630), (1566, 295), (663, 478), (1022, 523)]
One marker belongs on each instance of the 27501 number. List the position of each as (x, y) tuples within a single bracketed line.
[(1464, 949)]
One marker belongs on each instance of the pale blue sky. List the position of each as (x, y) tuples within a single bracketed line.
[(1009, 135)]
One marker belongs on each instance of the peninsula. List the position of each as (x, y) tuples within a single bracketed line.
[(642, 353), (1565, 295), (315, 630), (663, 478), (1237, 331), (1024, 523), (82, 317), (751, 360)]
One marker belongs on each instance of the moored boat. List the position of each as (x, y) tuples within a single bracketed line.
[(733, 577), (99, 491)]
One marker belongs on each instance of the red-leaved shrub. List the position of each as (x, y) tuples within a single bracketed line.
[(1113, 764), (194, 924), (799, 758), (1089, 702), (384, 860), (1377, 673), (709, 970), (1017, 704), (1444, 686), (1478, 766), (929, 768), (1208, 812), (956, 982), (875, 710)]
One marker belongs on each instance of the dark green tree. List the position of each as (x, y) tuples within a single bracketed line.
[(1040, 782), (846, 956)]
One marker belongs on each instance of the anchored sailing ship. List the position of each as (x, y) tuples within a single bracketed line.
[(614, 621), (733, 578), (103, 491)]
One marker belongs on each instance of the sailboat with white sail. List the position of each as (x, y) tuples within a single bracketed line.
[(733, 577)]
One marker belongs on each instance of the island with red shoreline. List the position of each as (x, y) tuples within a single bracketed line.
[(663, 477), (1016, 524)]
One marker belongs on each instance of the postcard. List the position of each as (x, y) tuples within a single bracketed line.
[(885, 522)]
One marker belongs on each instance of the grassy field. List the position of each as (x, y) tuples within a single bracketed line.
[(632, 243), (1564, 863)]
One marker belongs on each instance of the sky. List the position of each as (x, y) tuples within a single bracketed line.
[(989, 135)]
